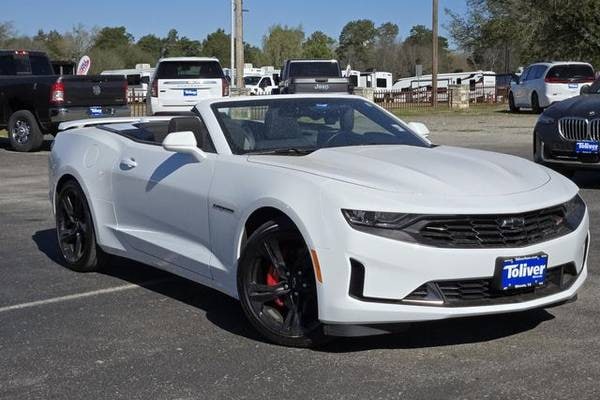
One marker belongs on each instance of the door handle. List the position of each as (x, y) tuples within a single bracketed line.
[(128, 163)]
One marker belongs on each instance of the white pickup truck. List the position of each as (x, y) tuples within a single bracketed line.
[(259, 84), (180, 82)]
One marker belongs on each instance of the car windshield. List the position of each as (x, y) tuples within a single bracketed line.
[(300, 126), (251, 80)]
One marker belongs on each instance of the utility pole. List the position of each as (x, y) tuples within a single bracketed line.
[(232, 52), (239, 43), (434, 53)]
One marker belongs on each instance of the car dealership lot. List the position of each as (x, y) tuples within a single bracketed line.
[(134, 332)]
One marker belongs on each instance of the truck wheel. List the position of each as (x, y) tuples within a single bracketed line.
[(24, 132)]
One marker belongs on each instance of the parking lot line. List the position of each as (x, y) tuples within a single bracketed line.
[(82, 295)]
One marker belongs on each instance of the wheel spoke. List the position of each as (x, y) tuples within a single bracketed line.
[(68, 233), (273, 252), (263, 293), (67, 206), (78, 245), (292, 320)]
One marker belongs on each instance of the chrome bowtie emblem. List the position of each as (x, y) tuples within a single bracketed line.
[(96, 90), (592, 113), (512, 223)]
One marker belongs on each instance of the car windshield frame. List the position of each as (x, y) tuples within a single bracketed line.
[(397, 127)]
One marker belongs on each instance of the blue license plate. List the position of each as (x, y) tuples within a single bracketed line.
[(573, 86), (95, 111), (521, 272), (586, 147), (190, 92)]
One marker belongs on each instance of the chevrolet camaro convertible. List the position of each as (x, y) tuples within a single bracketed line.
[(325, 215)]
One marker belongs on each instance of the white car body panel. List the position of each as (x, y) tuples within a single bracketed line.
[(187, 216)]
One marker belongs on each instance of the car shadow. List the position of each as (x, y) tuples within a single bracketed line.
[(226, 313), (586, 179), (221, 310), (46, 145)]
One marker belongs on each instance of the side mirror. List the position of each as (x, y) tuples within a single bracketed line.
[(145, 79), (184, 143), (585, 89), (420, 129)]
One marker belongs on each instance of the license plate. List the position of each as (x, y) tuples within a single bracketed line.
[(586, 147), (521, 272), (190, 92), (573, 86), (95, 111)]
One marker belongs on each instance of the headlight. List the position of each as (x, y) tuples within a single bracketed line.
[(376, 219), (574, 211), (546, 120), (386, 224)]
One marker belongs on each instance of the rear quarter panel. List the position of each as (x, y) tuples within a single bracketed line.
[(89, 155)]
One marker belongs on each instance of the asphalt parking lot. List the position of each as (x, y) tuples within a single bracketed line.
[(133, 332)]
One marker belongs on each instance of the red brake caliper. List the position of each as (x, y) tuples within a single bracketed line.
[(273, 280)]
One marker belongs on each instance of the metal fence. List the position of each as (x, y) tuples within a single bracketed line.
[(417, 98), (421, 98)]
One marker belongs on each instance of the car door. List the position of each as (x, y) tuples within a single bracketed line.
[(520, 90), (161, 203)]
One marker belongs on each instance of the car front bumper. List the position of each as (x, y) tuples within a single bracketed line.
[(395, 269), (558, 151)]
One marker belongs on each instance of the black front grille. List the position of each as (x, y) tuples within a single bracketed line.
[(485, 231), (474, 292)]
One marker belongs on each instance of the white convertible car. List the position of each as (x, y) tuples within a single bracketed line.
[(325, 215)]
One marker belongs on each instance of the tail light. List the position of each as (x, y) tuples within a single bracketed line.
[(154, 88), (57, 93), (225, 86)]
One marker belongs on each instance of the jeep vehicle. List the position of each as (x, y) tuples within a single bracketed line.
[(312, 76)]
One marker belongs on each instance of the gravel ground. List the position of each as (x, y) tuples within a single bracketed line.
[(133, 332)]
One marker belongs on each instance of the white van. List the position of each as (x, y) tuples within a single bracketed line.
[(542, 84), (180, 82)]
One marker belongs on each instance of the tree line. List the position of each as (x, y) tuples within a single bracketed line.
[(501, 35), (361, 44), (496, 35)]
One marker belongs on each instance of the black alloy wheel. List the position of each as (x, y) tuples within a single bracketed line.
[(75, 230), (277, 286)]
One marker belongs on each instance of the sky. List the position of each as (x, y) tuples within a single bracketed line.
[(196, 18)]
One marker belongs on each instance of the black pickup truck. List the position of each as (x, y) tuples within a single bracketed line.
[(34, 101), (312, 76)]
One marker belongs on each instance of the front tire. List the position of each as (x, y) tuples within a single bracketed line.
[(511, 103), (76, 238), (24, 132), (277, 286)]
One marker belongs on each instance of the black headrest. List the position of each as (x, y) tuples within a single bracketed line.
[(194, 124)]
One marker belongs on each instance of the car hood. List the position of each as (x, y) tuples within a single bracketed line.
[(442, 170), (586, 106)]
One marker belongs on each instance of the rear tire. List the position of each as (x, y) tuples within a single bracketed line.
[(24, 132), (277, 286), (75, 233), (535, 104), (511, 103)]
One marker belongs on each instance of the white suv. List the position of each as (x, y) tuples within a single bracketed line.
[(542, 84), (180, 82)]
